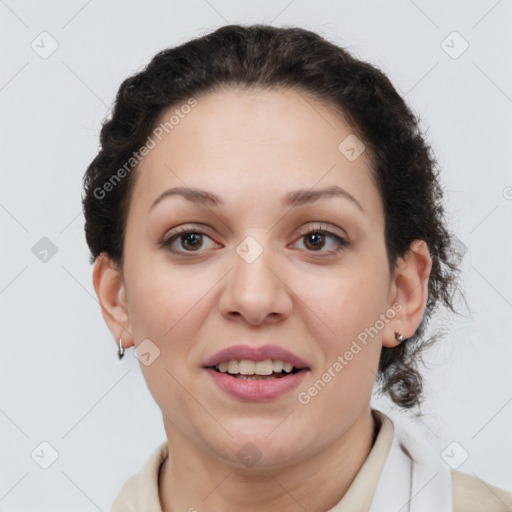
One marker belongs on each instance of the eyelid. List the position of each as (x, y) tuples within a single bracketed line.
[(303, 230), (321, 226), (186, 228)]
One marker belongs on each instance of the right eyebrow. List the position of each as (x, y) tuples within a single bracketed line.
[(191, 194)]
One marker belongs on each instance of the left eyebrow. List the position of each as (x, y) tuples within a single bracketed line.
[(300, 197), (294, 198)]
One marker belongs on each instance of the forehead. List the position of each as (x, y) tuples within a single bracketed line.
[(253, 143)]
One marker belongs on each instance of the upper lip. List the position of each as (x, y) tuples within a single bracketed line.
[(256, 354)]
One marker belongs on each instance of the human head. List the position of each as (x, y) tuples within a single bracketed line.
[(403, 167)]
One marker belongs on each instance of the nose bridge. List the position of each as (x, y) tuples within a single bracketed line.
[(254, 256), (254, 288)]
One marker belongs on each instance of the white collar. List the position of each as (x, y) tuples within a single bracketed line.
[(414, 477)]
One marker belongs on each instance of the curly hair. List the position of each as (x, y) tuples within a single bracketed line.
[(403, 166)]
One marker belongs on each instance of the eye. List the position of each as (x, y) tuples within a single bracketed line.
[(317, 237), (190, 240)]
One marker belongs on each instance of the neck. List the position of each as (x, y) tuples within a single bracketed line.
[(210, 484)]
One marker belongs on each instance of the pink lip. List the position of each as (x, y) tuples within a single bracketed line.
[(255, 354), (256, 390)]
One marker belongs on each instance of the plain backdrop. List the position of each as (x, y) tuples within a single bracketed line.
[(61, 383)]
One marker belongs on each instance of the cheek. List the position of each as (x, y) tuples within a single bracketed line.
[(162, 299), (342, 315), (158, 293), (343, 382), (340, 306), (153, 306), (165, 307)]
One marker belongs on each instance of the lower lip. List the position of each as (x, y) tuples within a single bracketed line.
[(256, 390)]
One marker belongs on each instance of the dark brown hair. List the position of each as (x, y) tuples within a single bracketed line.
[(403, 165)]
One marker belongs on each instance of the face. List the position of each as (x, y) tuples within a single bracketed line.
[(252, 268)]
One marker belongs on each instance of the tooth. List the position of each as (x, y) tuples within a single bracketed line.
[(233, 366), (277, 365), (246, 367), (264, 367)]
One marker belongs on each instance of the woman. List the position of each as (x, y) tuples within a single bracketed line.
[(267, 230)]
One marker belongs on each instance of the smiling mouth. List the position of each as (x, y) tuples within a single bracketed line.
[(273, 375), (242, 372)]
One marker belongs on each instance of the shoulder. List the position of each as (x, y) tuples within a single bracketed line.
[(470, 493)]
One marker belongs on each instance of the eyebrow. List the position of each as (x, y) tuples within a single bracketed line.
[(300, 197), (294, 198)]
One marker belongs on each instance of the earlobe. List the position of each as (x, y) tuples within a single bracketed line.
[(409, 289), (110, 290)]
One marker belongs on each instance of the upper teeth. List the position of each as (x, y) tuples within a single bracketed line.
[(247, 367)]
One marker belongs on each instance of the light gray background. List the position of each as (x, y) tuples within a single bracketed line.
[(60, 380)]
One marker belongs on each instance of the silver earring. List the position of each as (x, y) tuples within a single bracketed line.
[(120, 352), (399, 337)]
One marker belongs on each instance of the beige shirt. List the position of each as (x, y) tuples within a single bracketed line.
[(469, 493)]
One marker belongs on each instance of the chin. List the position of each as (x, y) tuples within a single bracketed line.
[(263, 448)]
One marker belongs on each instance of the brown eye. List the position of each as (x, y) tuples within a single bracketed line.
[(314, 240), (317, 238), (186, 240), (191, 240)]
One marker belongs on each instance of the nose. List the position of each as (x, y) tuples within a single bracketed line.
[(256, 291)]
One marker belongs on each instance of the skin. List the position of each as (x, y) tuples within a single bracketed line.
[(250, 147)]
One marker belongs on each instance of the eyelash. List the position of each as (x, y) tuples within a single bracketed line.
[(185, 230)]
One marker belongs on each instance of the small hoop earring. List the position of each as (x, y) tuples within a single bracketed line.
[(399, 337), (120, 352)]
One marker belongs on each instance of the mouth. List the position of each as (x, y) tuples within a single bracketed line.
[(267, 369), (256, 374)]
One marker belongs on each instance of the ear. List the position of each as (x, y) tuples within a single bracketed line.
[(109, 286), (409, 293)]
